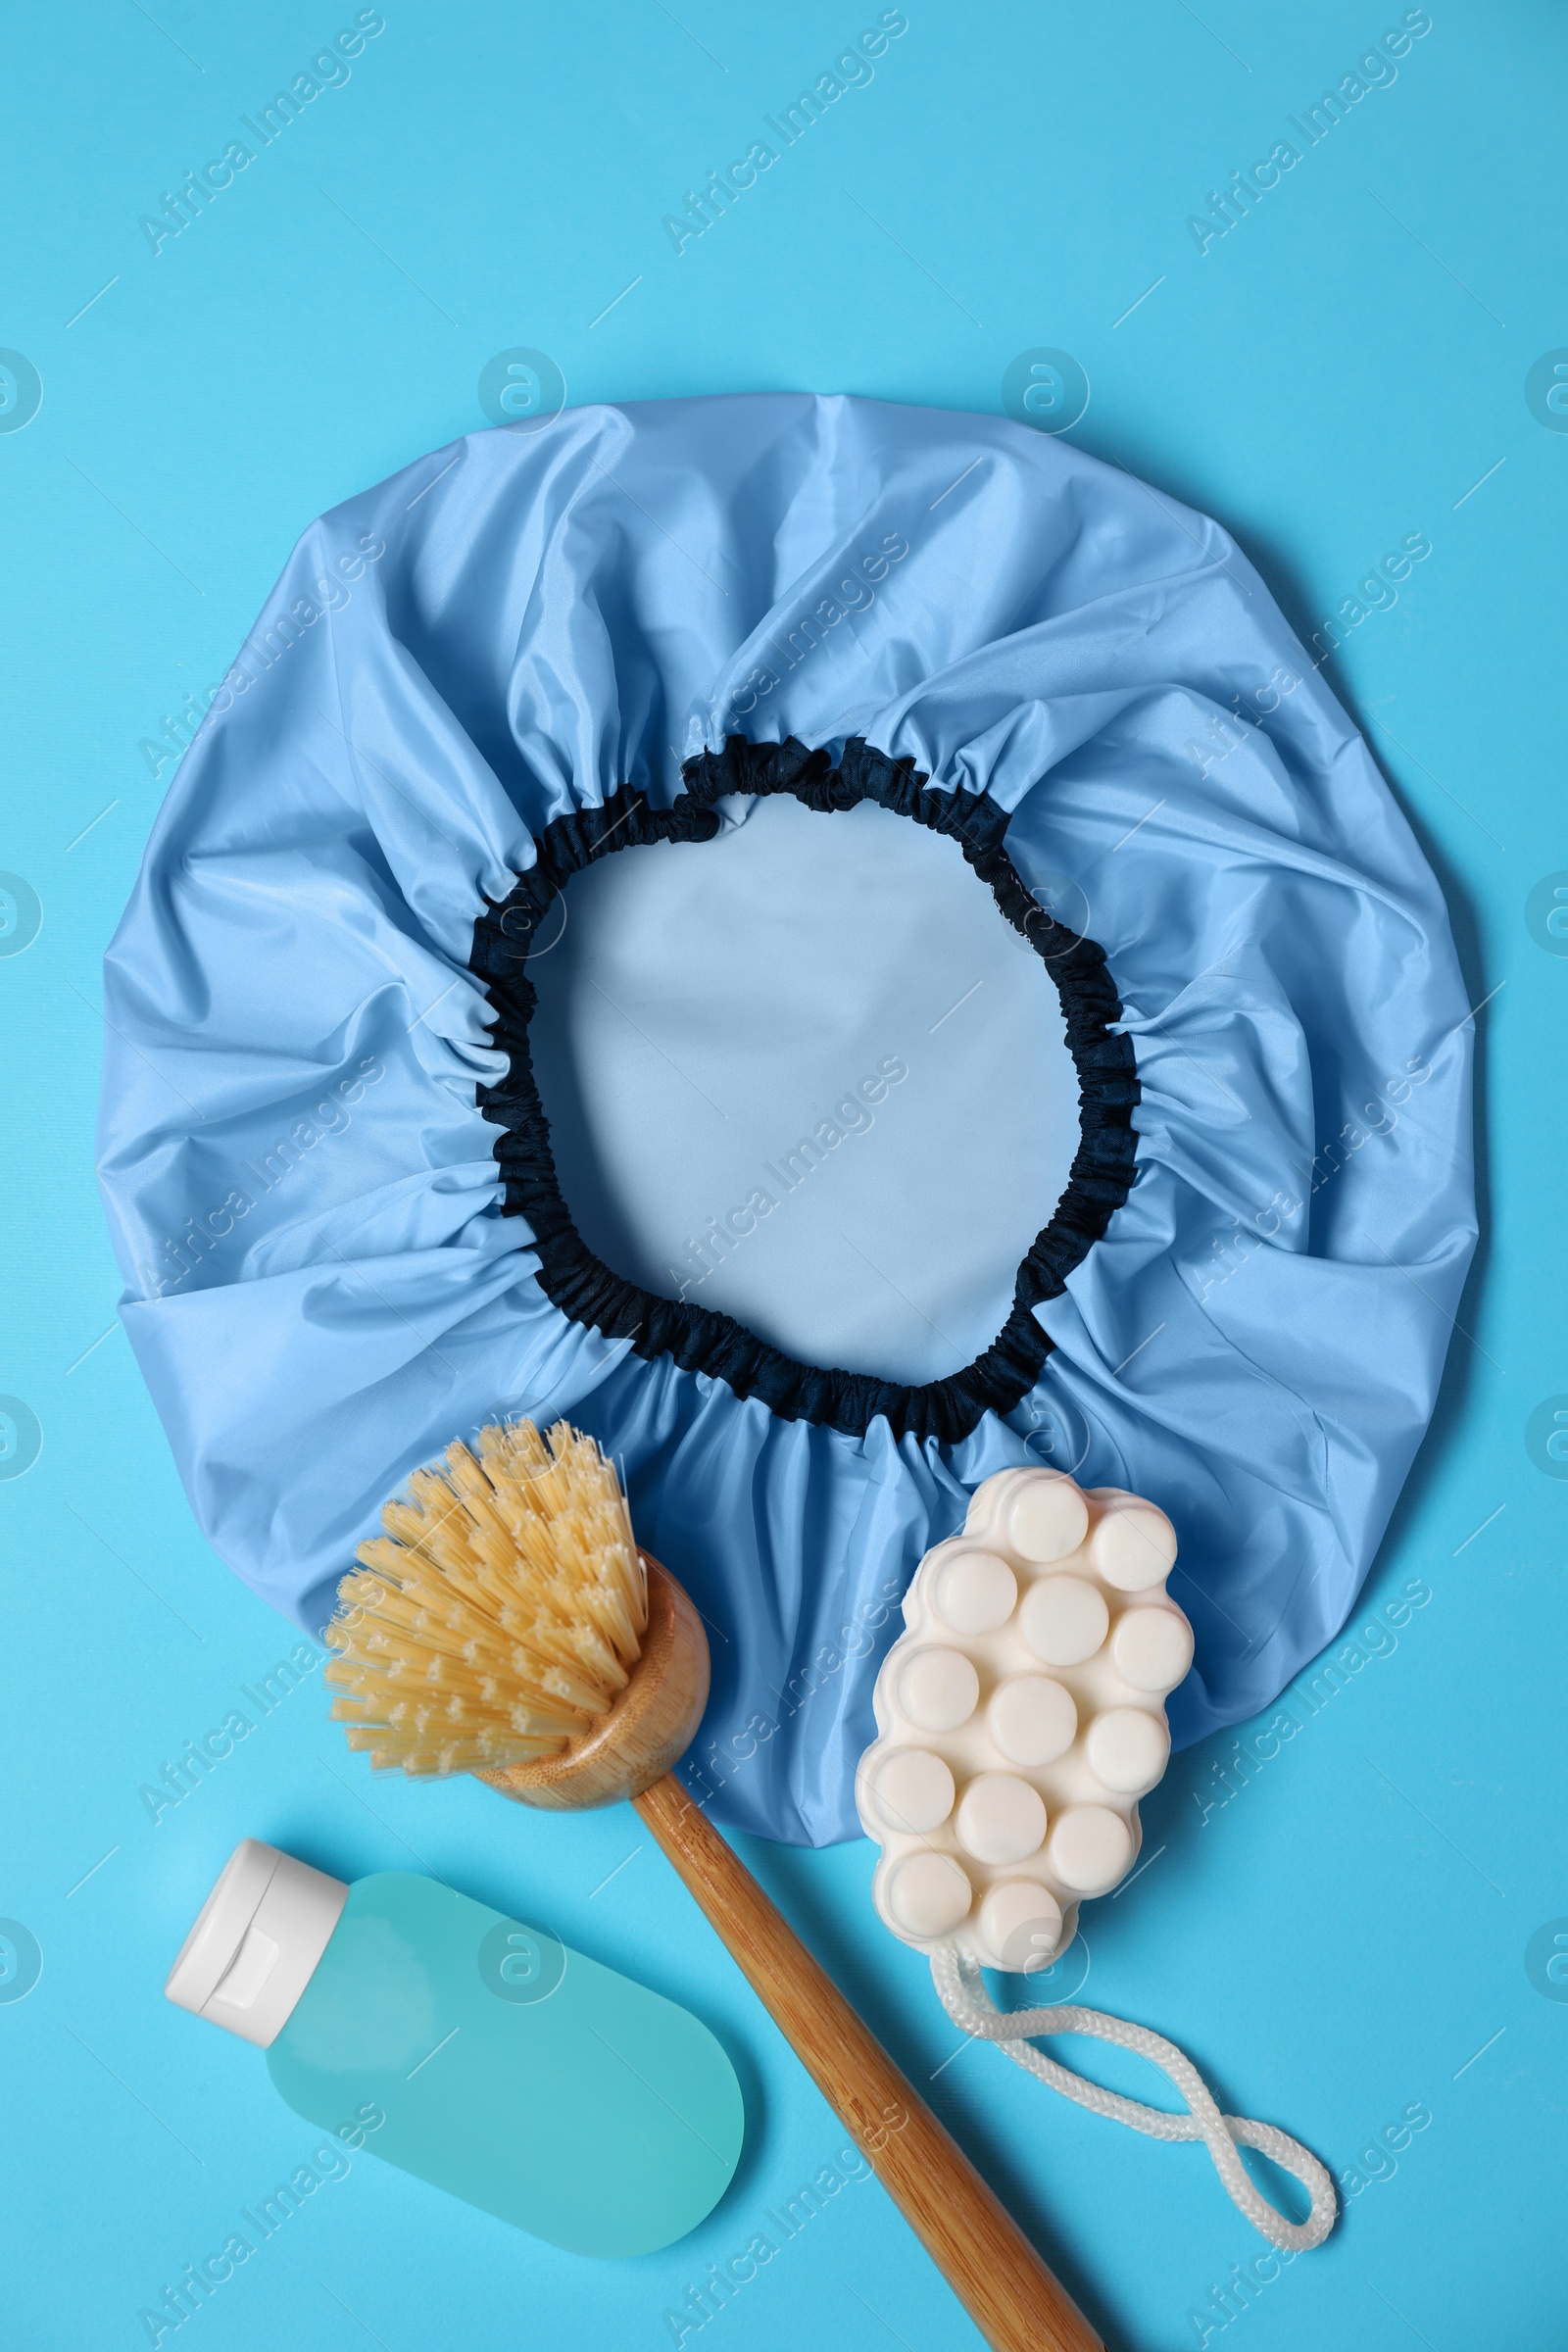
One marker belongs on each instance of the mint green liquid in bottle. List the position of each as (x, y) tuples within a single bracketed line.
[(473, 2051)]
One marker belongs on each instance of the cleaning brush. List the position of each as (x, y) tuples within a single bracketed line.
[(507, 1625), (500, 1615)]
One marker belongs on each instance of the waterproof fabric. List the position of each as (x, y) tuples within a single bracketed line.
[(321, 1165), (820, 1020)]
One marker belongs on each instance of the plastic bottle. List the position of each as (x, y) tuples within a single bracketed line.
[(473, 2051)]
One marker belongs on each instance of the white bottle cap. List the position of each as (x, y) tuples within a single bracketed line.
[(256, 1941)]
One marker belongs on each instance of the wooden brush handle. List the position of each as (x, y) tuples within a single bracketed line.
[(980, 2250)]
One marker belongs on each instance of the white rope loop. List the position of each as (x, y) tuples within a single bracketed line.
[(961, 1989)]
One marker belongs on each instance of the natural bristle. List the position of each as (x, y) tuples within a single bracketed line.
[(501, 1613)]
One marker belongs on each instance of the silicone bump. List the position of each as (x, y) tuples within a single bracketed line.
[(1022, 1922), (938, 1689), (1032, 1718), (1046, 1516), (929, 1894), (1063, 1619), (1152, 1649), (974, 1592), (1133, 1546), (1090, 1848), (913, 1790), (1128, 1749), (1001, 1818)]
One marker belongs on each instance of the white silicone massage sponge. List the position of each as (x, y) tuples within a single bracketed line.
[(1021, 1715)]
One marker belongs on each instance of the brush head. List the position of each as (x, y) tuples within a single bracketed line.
[(501, 1619)]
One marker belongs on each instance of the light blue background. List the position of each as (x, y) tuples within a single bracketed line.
[(1348, 1935)]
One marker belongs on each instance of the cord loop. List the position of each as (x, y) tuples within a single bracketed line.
[(962, 1990)]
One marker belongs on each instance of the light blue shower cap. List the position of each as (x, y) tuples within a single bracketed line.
[(350, 1232)]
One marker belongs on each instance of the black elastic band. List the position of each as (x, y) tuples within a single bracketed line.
[(699, 1338)]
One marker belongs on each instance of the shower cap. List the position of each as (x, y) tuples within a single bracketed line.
[(1193, 1225)]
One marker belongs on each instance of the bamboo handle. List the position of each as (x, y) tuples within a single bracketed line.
[(985, 2257)]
